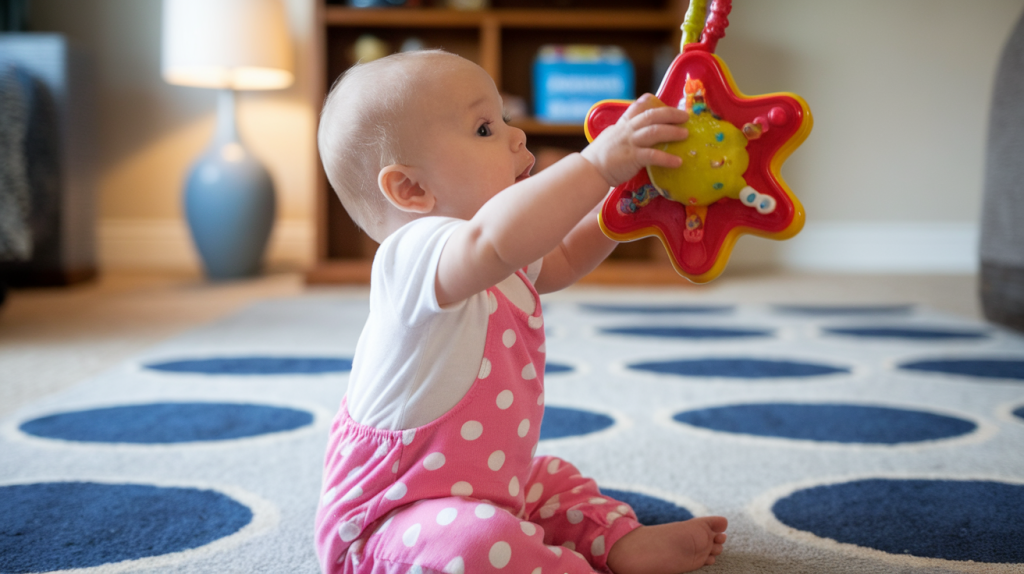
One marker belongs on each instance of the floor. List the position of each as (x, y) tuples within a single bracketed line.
[(53, 338)]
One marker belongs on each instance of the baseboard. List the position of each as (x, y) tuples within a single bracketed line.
[(885, 247), (165, 245)]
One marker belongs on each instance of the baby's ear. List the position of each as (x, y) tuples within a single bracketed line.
[(399, 185)]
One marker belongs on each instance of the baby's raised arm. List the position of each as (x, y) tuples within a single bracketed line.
[(530, 219)]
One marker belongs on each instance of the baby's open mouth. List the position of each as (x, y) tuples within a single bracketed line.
[(526, 172)]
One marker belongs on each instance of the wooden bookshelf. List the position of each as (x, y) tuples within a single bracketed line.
[(504, 41)]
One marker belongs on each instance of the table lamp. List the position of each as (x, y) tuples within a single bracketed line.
[(229, 196)]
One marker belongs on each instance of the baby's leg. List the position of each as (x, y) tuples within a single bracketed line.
[(574, 513), (459, 535)]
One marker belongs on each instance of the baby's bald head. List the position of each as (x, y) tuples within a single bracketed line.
[(362, 125)]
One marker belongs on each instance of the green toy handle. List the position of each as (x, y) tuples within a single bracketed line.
[(693, 24)]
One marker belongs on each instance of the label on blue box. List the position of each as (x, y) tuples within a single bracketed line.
[(568, 80)]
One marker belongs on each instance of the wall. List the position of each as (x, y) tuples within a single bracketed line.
[(890, 177), (150, 133)]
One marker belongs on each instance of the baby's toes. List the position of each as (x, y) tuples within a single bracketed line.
[(720, 539)]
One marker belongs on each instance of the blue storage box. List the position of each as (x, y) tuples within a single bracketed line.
[(568, 80)]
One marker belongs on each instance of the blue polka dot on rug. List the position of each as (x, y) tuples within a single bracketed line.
[(658, 309), (165, 423), (690, 332), (967, 520), (838, 423), (907, 333), (557, 368), (111, 523), (650, 510), (1019, 413), (979, 367), (843, 310), (562, 422), (256, 365), (738, 368)]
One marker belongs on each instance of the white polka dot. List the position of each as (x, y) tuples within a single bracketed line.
[(553, 501), (353, 472), (353, 494), (394, 467), (407, 436), (569, 544), (447, 516), (547, 511), (597, 548), (462, 488), (346, 449), (456, 566), (553, 466), (622, 509), (492, 303), (612, 517), (529, 528), (484, 511), (513, 486), (596, 500), (540, 398), (535, 492), (524, 427), (416, 569), (349, 531), (543, 348), (485, 368), (574, 515), (328, 496), (500, 554), (411, 535), (396, 492), (433, 461), (496, 460), (382, 450), (535, 322), (508, 338), (504, 400), (472, 430), (536, 570), (529, 372), (557, 550)]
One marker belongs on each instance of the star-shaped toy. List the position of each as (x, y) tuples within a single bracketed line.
[(729, 183)]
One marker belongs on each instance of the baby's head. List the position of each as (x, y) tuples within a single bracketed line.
[(417, 133)]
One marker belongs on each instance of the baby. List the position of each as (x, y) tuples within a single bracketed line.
[(430, 465)]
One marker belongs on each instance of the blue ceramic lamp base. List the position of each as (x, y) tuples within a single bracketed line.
[(229, 202)]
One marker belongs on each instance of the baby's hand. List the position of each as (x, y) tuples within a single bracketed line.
[(621, 150)]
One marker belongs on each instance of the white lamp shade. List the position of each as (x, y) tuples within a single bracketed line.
[(238, 44)]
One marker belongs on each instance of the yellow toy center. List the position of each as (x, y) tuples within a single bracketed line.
[(714, 161)]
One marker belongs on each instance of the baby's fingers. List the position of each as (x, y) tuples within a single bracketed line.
[(650, 156), (659, 133), (659, 115)]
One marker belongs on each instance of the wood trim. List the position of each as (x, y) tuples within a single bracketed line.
[(508, 18)]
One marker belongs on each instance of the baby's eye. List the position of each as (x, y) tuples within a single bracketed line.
[(484, 130)]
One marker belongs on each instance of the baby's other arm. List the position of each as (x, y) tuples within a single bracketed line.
[(545, 213), (586, 245)]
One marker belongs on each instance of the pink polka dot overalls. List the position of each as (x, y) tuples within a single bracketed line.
[(464, 494)]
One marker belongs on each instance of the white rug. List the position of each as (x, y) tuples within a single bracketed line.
[(829, 451)]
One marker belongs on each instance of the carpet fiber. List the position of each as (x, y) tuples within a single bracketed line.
[(840, 439)]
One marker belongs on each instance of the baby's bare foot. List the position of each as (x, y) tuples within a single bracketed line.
[(669, 548)]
